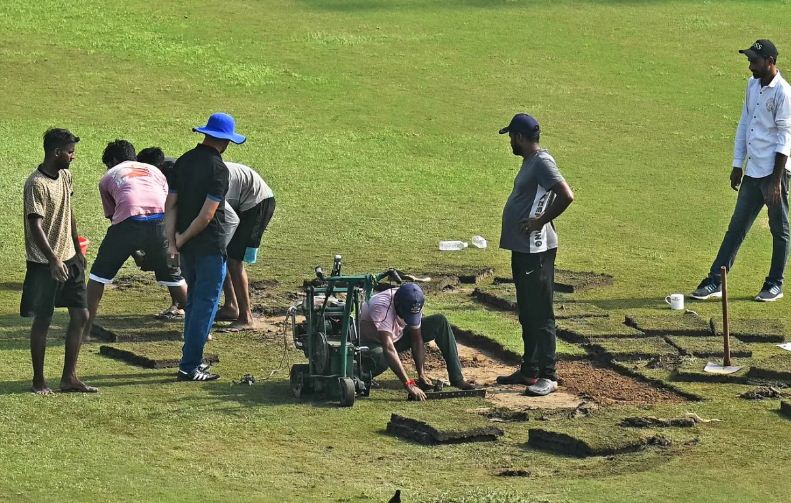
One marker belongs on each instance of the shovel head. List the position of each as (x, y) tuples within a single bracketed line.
[(716, 368)]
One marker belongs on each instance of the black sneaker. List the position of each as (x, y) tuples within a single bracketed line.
[(707, 289), (196, 375), (517, 378), (769, 293)]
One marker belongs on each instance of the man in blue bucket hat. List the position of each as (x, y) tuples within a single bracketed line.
[(195, 217)]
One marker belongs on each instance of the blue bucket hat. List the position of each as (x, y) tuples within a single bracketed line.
[(221, 126), (408, 301)]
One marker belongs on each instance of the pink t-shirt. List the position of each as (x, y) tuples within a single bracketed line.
[(379, 315), (133, 189)]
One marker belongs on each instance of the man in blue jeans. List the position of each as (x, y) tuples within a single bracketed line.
[(763, 143), (195, 217)]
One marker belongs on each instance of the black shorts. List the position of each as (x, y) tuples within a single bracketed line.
[(252, 224), (122, 240), (41, 293)]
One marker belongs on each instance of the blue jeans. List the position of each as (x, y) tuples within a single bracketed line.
[(752, 197), (204, 275)]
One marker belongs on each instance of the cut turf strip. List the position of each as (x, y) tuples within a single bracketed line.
[(504, 297), (148, 361), (101, 333), (424, 433), (581, 443), (679, 324), (584, 329), (753, 330), (574, 281), (641, 348), (785, 408), (775, 369), (708, 347)]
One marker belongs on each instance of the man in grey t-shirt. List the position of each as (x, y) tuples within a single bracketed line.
[(539, 196), (254, 202)]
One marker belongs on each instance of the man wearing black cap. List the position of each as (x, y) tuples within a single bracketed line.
[(392, 321), (539, 196), (760, 154), (194, 226)]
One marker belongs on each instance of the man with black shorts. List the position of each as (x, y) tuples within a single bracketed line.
[(539, 196), (195, 215), (253, 201), (133, 196), (55, 265)]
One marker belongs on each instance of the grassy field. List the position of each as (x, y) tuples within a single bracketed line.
[(375, 122)]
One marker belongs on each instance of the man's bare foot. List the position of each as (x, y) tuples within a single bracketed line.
[(227, 314), (41, 389), (76, 386), (244, 325)]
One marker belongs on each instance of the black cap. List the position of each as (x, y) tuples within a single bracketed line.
[(522, 123), (761, 49)]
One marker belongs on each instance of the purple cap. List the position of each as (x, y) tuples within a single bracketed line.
[(408, 301)]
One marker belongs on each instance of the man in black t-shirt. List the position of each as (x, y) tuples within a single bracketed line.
[(195, 216)]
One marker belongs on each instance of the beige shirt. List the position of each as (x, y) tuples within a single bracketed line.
[(49, 198)]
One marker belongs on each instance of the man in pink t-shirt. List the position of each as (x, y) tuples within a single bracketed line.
[(383, 321), (133, 196)]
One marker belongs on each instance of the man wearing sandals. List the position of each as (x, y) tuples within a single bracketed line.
[(133, 196), (55, 274)]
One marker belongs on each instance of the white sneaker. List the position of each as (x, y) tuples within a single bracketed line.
[(542, 388)]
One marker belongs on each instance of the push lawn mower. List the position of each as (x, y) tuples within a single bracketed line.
[(330, 335)]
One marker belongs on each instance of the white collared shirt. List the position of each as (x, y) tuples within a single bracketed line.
[(764, 128)]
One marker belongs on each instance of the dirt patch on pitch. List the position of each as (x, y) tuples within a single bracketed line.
[(580, 382)]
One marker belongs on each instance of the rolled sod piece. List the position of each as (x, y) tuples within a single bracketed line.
[(672, 324), (584, 443), (585, 329), (641, 348), (708, 347), (753, 330)]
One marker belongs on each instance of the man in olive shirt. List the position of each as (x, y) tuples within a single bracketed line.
[(539, 196), (195, 217), (55, 274)]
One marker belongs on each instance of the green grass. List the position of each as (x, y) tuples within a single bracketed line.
[(389, 109)]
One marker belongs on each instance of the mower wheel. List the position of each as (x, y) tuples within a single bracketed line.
[(297, 378), (347, 391)]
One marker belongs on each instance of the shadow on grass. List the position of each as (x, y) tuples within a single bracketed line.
[(435, 5), (100, 381), (629, 303), (267, 393)]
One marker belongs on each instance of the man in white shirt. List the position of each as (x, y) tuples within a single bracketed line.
[(760, 154), (392, 321)]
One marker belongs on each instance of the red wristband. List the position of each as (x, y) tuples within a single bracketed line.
[(410, 382)]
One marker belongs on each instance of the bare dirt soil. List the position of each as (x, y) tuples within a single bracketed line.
[(580, 382)]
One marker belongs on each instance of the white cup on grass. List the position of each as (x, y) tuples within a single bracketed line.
[(675, 301)]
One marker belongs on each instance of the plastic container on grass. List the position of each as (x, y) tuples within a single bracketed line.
[(452, 245), (479, 242)]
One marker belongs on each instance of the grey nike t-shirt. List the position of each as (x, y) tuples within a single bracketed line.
[(531, 196)]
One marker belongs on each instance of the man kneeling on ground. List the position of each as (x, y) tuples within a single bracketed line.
[(383, 321), (133, 196)]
